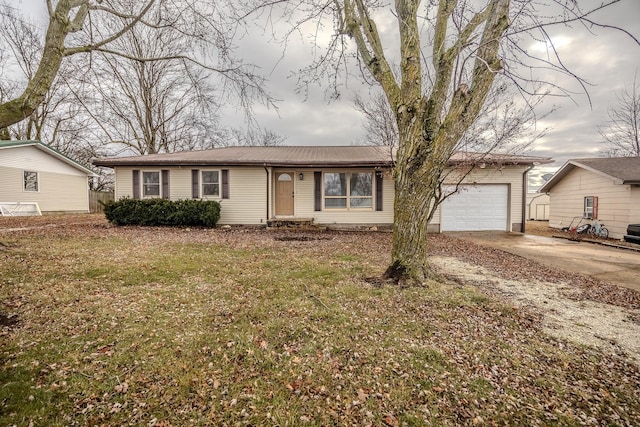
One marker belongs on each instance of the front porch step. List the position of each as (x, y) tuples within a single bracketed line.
[(292, 223)]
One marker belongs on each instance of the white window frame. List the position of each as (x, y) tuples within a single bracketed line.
[(348, 195), (24, 181), (144, 186), (588, 208), (202, 184)]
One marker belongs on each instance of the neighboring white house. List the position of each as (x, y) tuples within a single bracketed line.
[(339, 186), (32, 172), (603, 189), (537, 207)]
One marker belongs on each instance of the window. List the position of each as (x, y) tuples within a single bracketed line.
[(348, 190), (30, 181), (590, 207), (210, 183), (150, 184)]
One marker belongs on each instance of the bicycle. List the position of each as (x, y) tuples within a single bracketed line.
[(598, 230)]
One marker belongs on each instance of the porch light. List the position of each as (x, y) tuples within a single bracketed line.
[(301, 176)]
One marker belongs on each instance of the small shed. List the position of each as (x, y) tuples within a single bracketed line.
[(38, 177), (597, 189), (537, 207)]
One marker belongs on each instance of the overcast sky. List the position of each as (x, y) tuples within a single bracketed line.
[(606, 59)]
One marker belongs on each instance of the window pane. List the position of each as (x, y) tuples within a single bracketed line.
[(361, 202), (151, 183), (336, 203), (210, 177), (30, 181), (210, 189), (361, 184), (335, 184)]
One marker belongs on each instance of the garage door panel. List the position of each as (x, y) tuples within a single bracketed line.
[(476, 208)]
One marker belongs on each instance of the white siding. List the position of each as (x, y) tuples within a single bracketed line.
[(33, 159), (247, 202), (634, 208), (614, 201), (61, 187)]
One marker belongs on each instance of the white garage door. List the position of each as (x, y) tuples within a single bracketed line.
[(475, 208)]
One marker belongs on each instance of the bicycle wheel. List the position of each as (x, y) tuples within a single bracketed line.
[(604, 233)]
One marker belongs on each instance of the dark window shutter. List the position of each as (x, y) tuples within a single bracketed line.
[(595, 207), (225, 183), (195, 185), (136, 184), (317, 184), (165, 183), (378, 191)]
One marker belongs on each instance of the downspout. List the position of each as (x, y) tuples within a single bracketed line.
[(267, 217), (525, 187)]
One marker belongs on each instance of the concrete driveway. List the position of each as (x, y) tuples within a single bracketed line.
[(618, 266)]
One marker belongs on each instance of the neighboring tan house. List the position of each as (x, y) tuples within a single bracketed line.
[(335, 186), (32, 172), (537, 207), (603, 189)]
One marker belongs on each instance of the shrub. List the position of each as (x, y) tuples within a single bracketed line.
[(163, 212)]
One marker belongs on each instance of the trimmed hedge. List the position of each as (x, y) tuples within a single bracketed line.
[(163, 212)]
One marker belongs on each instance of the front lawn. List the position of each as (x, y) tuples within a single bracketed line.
[(153, 326)]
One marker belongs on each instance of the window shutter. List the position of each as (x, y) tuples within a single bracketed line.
[(195, 185), (136, 183), (378, 191), (595, 207), (225, 183), (317, 185), (165, 183)]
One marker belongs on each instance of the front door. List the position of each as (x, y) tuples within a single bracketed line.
[(284, 193)]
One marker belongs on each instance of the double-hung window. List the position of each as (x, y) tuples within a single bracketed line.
[(590, 207), (211, 183), (30, 182), (151, 184), (348, 190)]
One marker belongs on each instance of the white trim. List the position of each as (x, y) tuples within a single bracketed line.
[(142, 184), (202, 183)]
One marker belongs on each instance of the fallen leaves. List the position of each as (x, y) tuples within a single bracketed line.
[(175, 327)]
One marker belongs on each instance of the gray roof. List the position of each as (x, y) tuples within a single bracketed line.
[(298, 156), (621, 170), (49, 150)]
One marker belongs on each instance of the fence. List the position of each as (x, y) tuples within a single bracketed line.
[(96, 198)]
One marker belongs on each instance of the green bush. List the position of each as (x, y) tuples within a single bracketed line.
[(163, 212)]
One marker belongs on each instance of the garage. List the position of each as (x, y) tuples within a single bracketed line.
[(476, 208)]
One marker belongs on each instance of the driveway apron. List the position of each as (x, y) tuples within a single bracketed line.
[(618, 266)]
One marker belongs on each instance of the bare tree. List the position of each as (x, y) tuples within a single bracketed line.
[(461, 47), (252, 137), (75, 27), (149, 107), (58, 120), (621, 133)]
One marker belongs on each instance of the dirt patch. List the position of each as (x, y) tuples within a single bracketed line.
[(605, 326)]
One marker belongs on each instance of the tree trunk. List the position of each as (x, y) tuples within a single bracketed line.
[(416, 178)]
